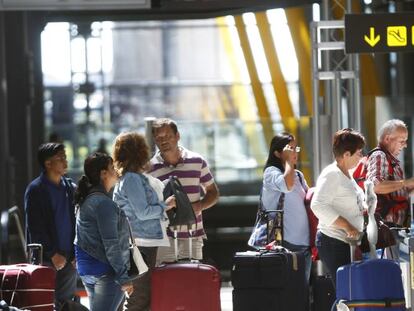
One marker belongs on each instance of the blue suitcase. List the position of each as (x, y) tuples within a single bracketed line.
[(374, 284)]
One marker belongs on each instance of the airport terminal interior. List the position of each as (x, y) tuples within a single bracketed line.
[(231, 73)]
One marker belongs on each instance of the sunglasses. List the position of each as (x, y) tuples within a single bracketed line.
[(296, 149)]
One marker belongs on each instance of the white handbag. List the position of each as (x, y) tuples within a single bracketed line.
[(137, 263)]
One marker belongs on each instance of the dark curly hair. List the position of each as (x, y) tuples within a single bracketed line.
[(131, 153)]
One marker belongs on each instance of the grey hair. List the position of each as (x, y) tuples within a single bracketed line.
[(390, 127)]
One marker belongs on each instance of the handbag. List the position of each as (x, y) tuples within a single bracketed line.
[(137, 265), (183, 213), (385, 236), (268, 225)]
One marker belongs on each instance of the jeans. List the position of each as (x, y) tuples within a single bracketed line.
[(103, 292), (333, 253), (306, 252)]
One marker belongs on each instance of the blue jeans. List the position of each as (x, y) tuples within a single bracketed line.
[(103, 292), (334, 253), (306, 252)]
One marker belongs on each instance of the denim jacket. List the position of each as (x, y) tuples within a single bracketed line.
[(102, 232), (140, 203)]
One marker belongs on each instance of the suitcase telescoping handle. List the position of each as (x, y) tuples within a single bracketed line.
[(190, 244), (353, 243), (35, 253)]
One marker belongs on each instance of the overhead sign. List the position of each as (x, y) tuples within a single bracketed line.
[(374, 33)]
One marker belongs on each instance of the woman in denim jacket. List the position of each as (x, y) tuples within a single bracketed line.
[(146, 212), (102, 236)]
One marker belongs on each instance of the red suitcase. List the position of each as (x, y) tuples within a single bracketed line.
[(28, 286), (185, 287)]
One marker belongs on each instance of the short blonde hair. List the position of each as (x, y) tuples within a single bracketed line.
[(131, 153)]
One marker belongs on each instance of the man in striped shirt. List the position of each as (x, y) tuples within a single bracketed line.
[(195, 176), (385, 171)]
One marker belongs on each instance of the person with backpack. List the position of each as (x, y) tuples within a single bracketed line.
[(338, 202), (285, 188), (383, 168)]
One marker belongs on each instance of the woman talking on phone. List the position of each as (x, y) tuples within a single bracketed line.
[(285, 188)]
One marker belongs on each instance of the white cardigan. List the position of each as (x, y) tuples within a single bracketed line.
[(337, 195)]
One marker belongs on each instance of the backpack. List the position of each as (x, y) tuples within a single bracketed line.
[(360, 172), (386, 202)]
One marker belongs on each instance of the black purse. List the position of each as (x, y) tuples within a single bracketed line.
[(385, 236), (183, 213)]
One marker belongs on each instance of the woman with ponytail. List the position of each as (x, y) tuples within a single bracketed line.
[(101, 243)]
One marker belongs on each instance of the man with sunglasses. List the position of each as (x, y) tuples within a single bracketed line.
[(195, 176)]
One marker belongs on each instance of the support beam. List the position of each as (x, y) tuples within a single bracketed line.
[(278, 81), (371, 88), (261, 104), (279, 85), (299, 30), (239, 96)]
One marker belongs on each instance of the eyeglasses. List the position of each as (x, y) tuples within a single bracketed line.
[(296, 149)]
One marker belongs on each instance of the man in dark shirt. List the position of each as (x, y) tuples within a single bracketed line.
[(50, 217)]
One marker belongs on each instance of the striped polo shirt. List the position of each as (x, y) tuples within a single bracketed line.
[(193, 172)]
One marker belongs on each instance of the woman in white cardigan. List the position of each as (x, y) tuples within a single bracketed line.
[(338, 202)]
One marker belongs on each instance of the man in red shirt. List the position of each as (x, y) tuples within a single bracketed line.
[(385, 171)]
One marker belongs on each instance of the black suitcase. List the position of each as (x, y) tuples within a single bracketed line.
[(269, 281), (323, 293)]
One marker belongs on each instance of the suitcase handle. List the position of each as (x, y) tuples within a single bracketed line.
[(35, 253)]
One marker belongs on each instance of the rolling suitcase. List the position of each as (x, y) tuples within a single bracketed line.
[(374, 284), (185, 286), (28, 286), (269, 281)]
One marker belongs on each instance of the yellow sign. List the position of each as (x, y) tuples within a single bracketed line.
[(396, 36), (372, 40), (412, 35)]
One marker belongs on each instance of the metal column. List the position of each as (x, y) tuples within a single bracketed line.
[(327, 110)]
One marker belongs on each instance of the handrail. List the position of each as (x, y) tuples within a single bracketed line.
[(15, 213)]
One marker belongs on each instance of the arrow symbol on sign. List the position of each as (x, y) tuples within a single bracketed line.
[(372, 40)]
